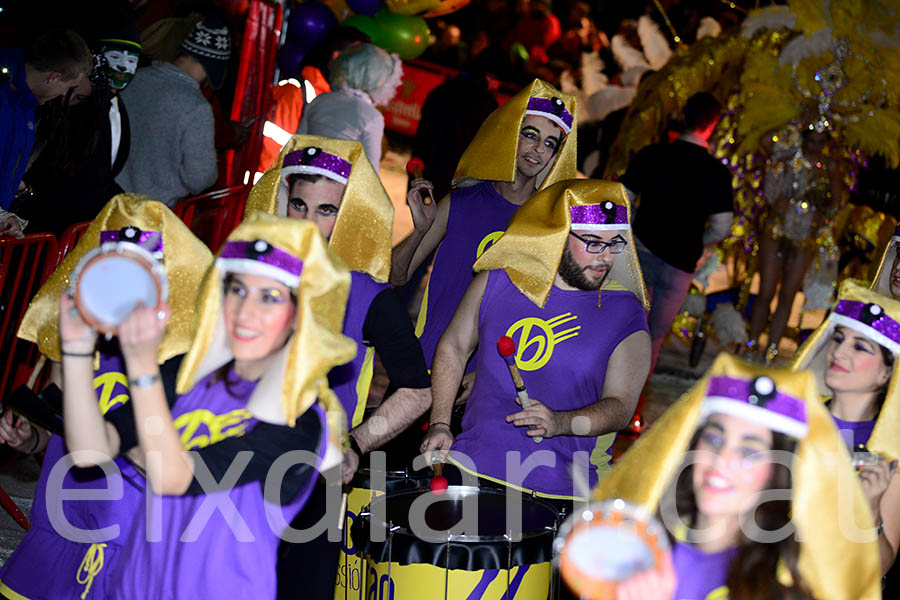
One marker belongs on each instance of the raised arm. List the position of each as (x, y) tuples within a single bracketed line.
[(170, 468), (626, 373), (84, 425), (429, 228), (453, 350)]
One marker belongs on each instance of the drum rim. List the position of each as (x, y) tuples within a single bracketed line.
[(138, 255), (366, 514)]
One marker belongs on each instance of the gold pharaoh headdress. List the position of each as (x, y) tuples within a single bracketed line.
[(184, 256), (832, 566), (882, 281), (878, 318), (532, 247), (293, 252), (492, 154), (362, 231)]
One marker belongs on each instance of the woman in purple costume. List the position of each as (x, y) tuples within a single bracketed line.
[(232, 461), (79, 540), (853, 353), (753, 507)]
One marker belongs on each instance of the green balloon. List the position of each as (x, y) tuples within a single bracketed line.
[(407, 36), (518, 51), (365, 24)]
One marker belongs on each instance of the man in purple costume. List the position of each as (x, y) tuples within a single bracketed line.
[(583, 361), (523, 146)]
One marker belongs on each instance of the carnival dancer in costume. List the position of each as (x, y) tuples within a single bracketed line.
[(887, 278), (564, 283), (331, 183), (253, 380), (853, 353), (802, 190), (749, 431), (60, 541), (524, 146)]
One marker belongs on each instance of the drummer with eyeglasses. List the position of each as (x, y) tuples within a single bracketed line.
[(564, 283)]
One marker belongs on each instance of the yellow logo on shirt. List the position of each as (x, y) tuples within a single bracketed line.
[(488, 240), (105, 384), (537, 339), (230, 424)]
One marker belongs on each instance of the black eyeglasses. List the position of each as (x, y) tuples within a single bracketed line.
[(599, 246)]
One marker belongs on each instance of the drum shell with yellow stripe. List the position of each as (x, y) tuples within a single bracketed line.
[(362, 492), (484, 559)]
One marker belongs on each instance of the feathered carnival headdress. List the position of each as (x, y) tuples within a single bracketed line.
[(878, 318), (532, 247), (881, 283), (362, 231), (292, 252), (184, 257), (832, 566), (492, 154)]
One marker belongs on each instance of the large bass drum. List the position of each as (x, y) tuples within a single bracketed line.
[(470, 549)]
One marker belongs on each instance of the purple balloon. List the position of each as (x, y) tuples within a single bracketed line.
[(365, 7), (309, 24), (289, 58)]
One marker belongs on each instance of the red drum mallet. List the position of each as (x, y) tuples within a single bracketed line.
[(414, 167), (438, 483), (507, 349)]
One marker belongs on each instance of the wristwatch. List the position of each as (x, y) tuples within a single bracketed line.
[(144, 381)]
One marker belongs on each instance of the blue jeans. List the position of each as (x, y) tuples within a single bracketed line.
[(667, 288)]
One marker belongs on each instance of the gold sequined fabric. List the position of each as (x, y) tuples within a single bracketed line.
[(885, 438), (362, 231), (186, 259), (298, 375), (832, 565), (492, 154), (532, 247)]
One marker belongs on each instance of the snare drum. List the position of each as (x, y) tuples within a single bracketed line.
[(110, 280), (482, 561), (606, 543), (362, 492)]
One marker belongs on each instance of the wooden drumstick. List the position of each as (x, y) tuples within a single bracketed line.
[(507, 349), (414, 167)]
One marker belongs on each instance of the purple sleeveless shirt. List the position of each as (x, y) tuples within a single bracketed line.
[(192, 551), (351, 381), (562, 350), (701, 576), (854, 433), (80, 562), (478, 217)]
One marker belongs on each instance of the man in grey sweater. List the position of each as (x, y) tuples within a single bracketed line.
[(173, 152)]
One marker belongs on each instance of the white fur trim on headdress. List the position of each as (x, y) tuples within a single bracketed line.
[(869, 332), (754, 414), (255, 267), (311, 170)]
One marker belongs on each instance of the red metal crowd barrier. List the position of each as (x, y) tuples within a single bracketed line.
[(70, 237), (213, 215), (253, 90)]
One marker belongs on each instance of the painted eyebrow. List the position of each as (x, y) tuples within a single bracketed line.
[(714, 425), (856, 336), (554, 138), (757, 440), (530, 128)]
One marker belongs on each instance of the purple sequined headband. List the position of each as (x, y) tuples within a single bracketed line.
[(259, 257), (757, 400), (315, 161), (599, 217), (869, 320), (551, 108), (135, 236)]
